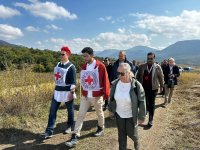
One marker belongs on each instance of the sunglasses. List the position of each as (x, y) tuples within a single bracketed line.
[(150, 58), (62, 54), (121, 73)]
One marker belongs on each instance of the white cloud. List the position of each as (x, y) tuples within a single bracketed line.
[(107, 40), (76, 44), (47, 10), (32, 29), (58, 41), (6, 12), (9, 32), (121, 30), (111, 40), (184, 26), (106, 18), (54, 27), (39, 43)]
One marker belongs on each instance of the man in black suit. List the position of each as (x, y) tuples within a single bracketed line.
[(171, 72)]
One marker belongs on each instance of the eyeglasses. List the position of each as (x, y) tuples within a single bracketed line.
[(62, 54), (121, 73)]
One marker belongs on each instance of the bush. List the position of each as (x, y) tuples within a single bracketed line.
[(39, 68)]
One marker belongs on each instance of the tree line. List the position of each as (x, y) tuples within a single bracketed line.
[(38, 60)]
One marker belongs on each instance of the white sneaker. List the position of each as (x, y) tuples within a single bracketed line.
[(47, 135), (73, 141), (68, 130)]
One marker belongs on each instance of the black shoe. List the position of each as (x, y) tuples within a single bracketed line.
[(105, 106), (150, 124), (73, 141), (99, 132)]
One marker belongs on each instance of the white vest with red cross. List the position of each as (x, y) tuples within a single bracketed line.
[(90, 80), (60, 77)]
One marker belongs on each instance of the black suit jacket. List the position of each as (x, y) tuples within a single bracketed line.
[(166, 72)]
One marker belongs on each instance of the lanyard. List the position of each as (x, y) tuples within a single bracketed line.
[(149, 70)]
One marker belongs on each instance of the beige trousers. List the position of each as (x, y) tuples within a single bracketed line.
[(168, 94), (85, 104)]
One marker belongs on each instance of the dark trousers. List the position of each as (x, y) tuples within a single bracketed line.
[(126, 128), (53, 113), (150, 102)]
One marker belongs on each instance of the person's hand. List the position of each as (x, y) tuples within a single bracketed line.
[(141, 122), (111, 115), (171, 75), (70, 96), (161, 89)]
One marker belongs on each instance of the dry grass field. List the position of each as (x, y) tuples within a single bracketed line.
[(25, 98)]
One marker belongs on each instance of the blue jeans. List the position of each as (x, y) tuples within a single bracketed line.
[(53, 112)]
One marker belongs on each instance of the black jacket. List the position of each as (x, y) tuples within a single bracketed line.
[(109, 71), (166, 72), (114, 74)]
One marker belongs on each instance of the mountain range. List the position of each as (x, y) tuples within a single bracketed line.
[(184, 52), (4, 43)]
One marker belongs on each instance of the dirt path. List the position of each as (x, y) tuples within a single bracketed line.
[(152, 139)]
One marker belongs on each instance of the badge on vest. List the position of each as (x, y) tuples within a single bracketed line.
[(90, 80), (59, 75)]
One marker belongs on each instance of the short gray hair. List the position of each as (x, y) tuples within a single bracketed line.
[(172, 59), (122, 52), (126, 66)]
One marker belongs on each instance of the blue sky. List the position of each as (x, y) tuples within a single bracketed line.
[(100, 24)]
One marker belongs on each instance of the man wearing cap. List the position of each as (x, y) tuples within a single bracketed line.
[(95, 88), (65, 83)]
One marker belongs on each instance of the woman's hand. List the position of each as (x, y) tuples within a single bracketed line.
[(111, 115), (70, 96), (141, 122)]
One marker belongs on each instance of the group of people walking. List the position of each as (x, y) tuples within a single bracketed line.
[(127, 90)]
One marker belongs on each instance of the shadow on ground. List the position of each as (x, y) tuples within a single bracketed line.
[(22, 139)]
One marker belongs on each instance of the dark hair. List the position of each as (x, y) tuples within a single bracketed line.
[(151, 53), (88, 50), (107, 59)]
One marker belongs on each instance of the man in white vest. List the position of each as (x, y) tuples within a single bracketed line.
[(65, 83), (95, 89)]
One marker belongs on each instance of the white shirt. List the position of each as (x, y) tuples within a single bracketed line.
[(123, 100), (65, 62), (91, 67), (171, 69)]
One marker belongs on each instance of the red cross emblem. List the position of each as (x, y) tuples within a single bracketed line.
[(89, 80), (57, 75)]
